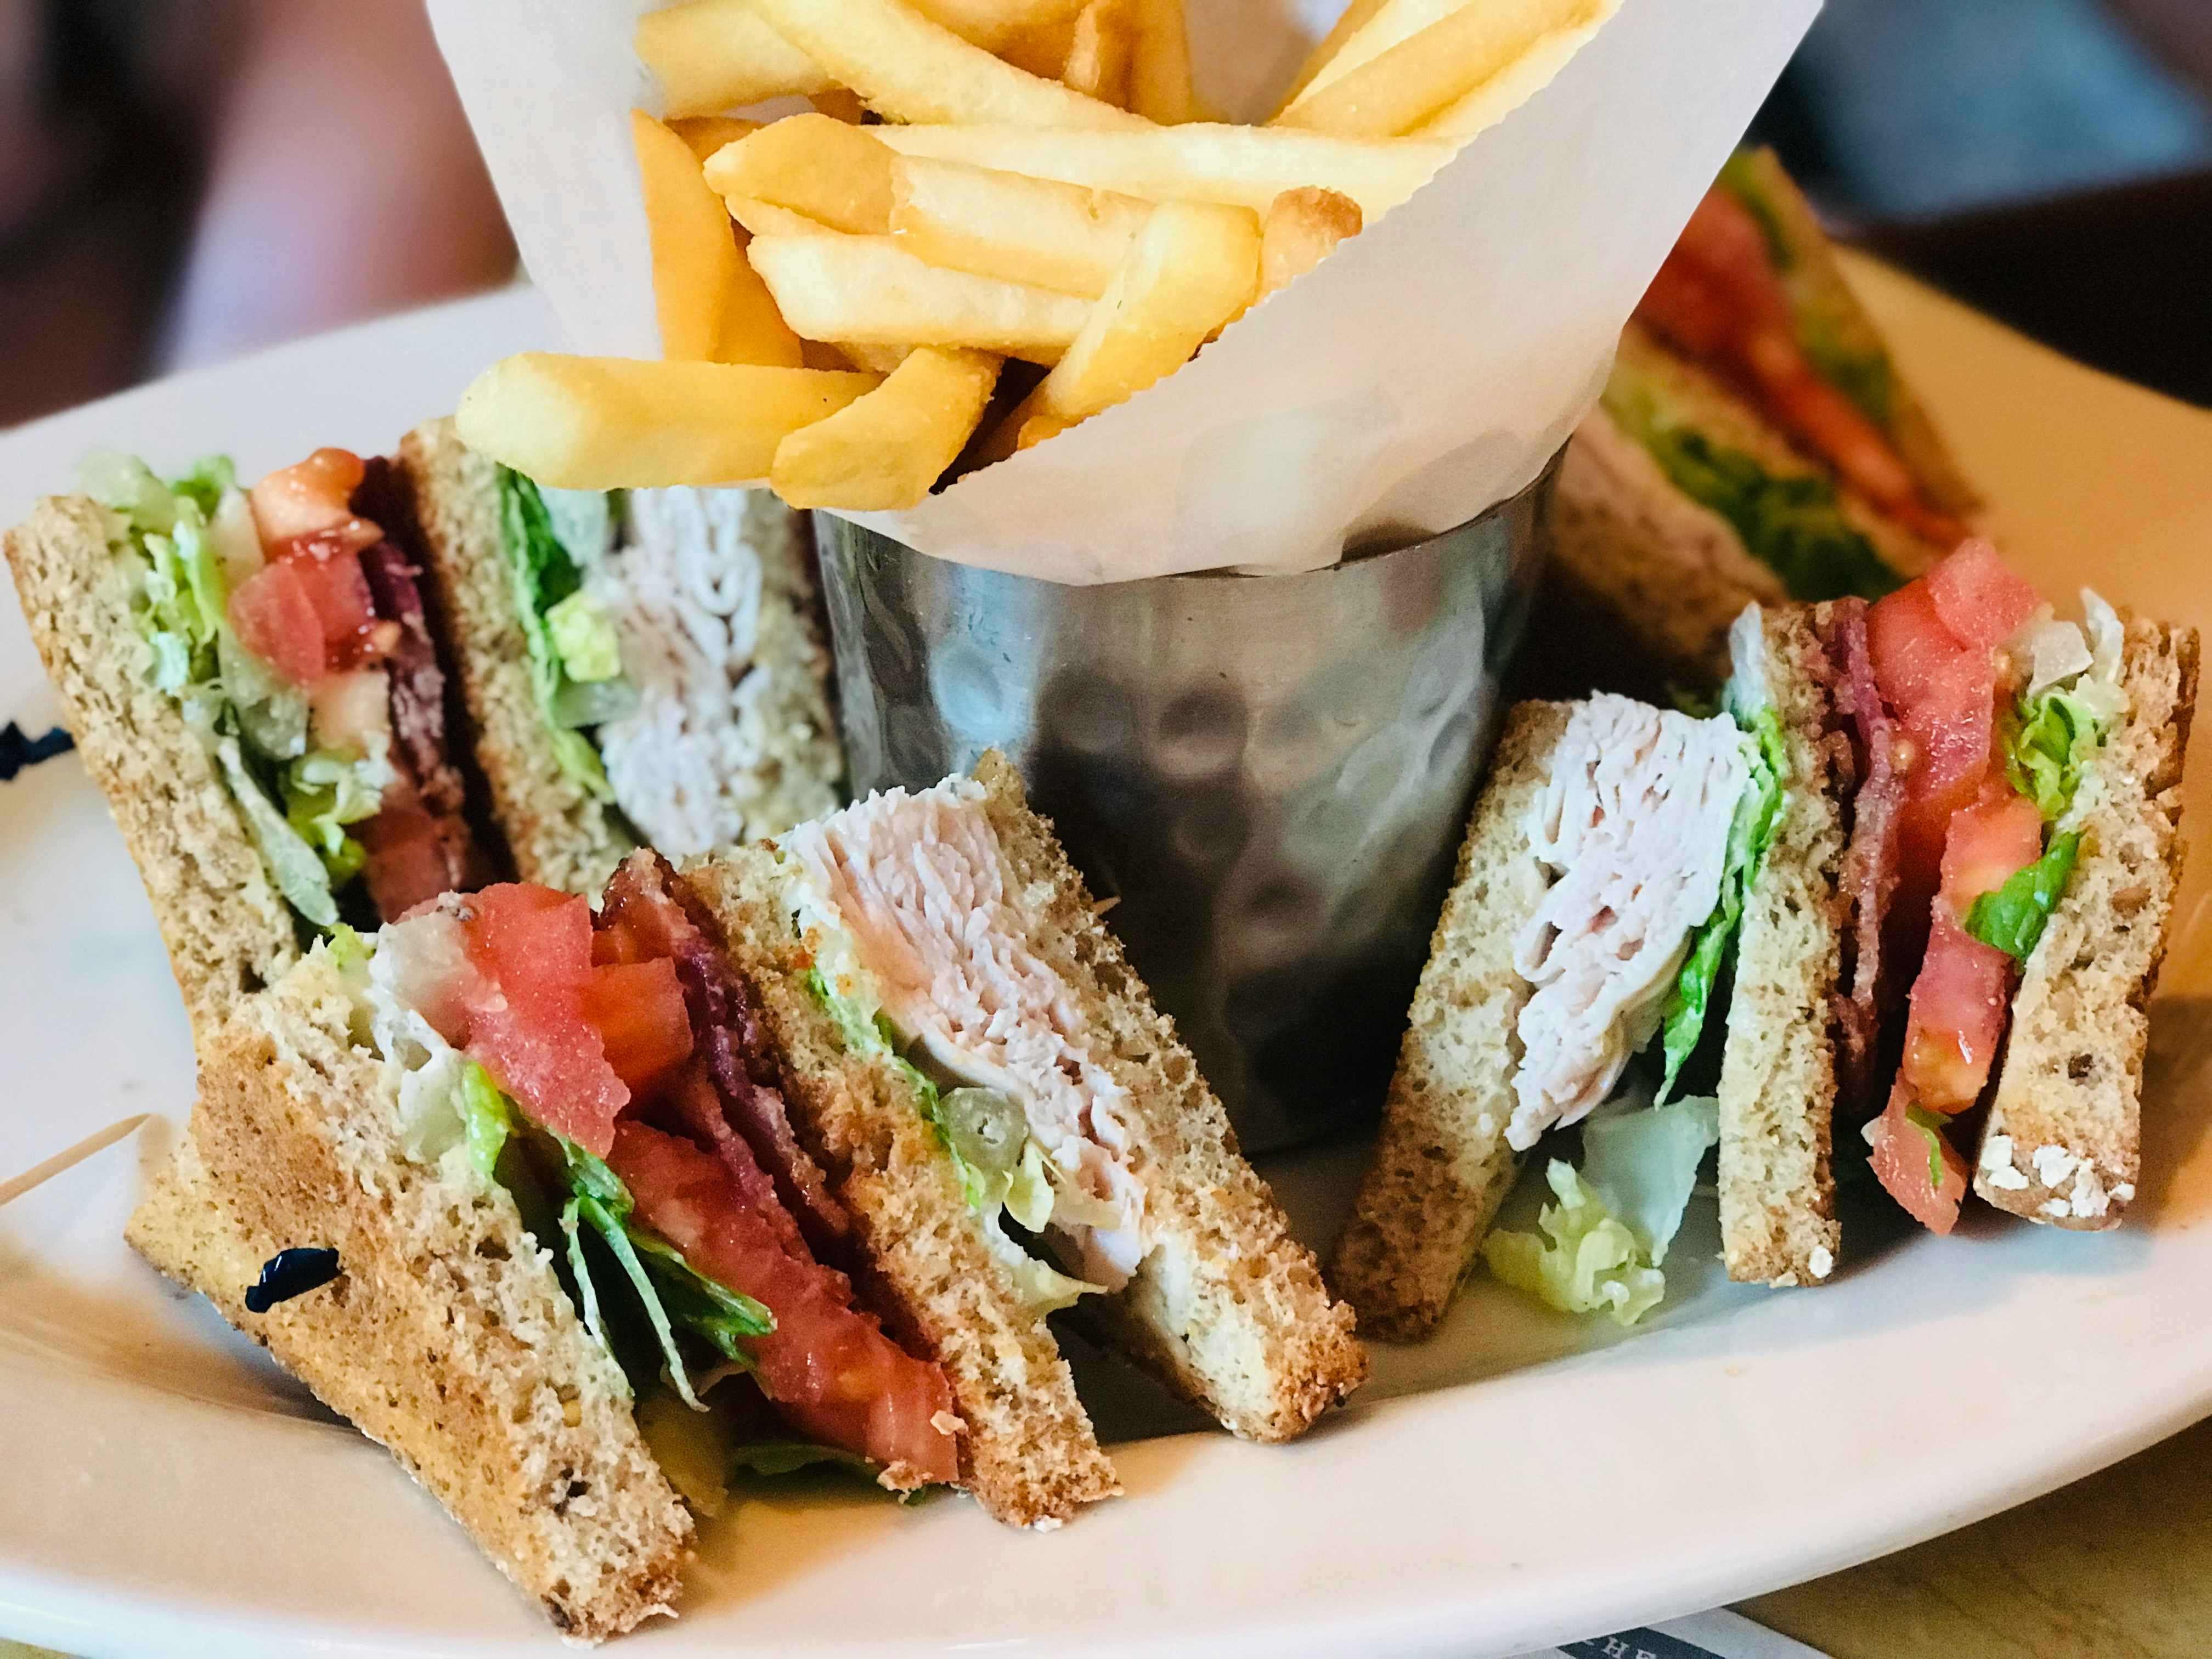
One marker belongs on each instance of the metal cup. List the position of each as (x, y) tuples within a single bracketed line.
[(1269, 774)]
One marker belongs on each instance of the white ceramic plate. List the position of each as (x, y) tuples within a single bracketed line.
[(163, 1491)]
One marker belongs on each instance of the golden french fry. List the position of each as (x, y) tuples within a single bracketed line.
[(811, 164), (1037, 231), (1042, 51), (874, 359), (713, 306), (713, 55), (1098, 52), (765, 219), (1238, 167), (883, 452), (842, 104), (870, 291), (706, 134), (1353, 18), (1191, 271), (1159, 66), (1037, 427), (910, 68), (1301, 228), (628, 422), (1387, 24), (1493, 99), (1397, 90)]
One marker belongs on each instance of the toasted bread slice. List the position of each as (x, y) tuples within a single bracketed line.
[(445, 1336), (1778, 1087), (227, 929), (1228, 1309), (1028, 1454), (2063, 1143), (559, 833), (1443, 1165)]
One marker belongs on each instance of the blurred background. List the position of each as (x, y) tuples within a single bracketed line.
[(181, 180)]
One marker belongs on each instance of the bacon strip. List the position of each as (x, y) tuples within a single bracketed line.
[(1870, 863)]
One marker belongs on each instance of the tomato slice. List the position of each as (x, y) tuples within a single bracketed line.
[(828, 1366), (1899, 1155), (275, 617), (637, 1008), (1982, 600), (316, 494), (532, 949)]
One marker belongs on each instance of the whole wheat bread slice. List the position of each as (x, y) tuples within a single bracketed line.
[(2063, 1144), (1028, 1454), (1442, 1166), (1228, 1308), (1778, 1086), (228, 931), (445, 1336), (559, 834)]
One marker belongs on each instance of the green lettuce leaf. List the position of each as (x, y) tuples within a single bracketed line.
[(1587, 1259), (1751, 832), (296, 867), (2047, 742), (1643, 1164), (487, 1119), (1930, 1129), (2012, 919), (546, 576), (1795, 526)]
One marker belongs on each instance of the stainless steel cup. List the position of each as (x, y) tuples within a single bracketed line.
[(1269, 774)]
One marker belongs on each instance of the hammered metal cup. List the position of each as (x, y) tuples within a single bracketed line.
[(1270, 774)]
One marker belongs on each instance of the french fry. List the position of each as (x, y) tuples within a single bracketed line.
[(1398, 89), (842, 104), (1159, 64), (1300, 229), (812, 164), (1098, 52), (910, 68), (883, 451), (713, 55), (713, 306), (1037, 231), (1498, 96), (1192, 270), (1392, 22), (1042, 51), (706, 134), (1353, 18), (868, 290), (765, 219), (1238, 167), (874, 359), (628, 422)]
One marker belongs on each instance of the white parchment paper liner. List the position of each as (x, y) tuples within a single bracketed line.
[(1426, 371)]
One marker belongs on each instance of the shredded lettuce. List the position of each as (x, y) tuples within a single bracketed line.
[(780, 1457), (585, 639), (1587, 1260), (1751, 833), (1795, 526), (1001, 1168), (1643, 1164), (547, 576), (2012, 919), (195, 535), (487, 1118)]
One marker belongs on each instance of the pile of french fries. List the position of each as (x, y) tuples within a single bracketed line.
[(989, 220)]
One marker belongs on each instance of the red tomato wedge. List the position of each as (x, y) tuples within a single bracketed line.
[(1981, 600), (316, 494), (637, 1008), (274, 614), (1719, 298), (339, 592), (829, 1367), (532, 949), (1899, 1156)]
